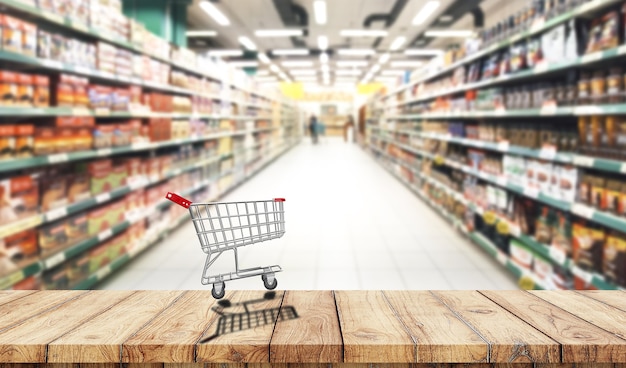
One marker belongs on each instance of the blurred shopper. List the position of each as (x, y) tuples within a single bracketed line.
[(348, 129), (313, 128), (321, 129)]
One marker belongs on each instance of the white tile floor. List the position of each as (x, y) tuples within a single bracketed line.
[(350, 225)]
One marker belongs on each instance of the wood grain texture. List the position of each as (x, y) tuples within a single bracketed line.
[(243, 339), (510, 339), (7, 296), (575, 365), (172, 336), (26, 342), (593, 311), (372, 333), (580, 341), (613, 298), (99, 340), (314, 336), (21, 309), (441, 336)]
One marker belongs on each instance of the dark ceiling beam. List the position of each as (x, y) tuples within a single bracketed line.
[(389, 18), (293, 15)]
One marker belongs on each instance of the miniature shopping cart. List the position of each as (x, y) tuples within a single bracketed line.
[(229, 225)]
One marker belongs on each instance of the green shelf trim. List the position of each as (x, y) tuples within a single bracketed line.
[(580, 10)]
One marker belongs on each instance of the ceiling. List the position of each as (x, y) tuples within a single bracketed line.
[(246, 16)]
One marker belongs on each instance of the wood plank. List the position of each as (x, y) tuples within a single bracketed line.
[(172, 336), (99, 340), (613, 298), (240, 337), (21, 309), (441, 336), (511, 340), (581, 342), (26, 342), (371, 331), (313, 336), (574, 365), (591, 310), (7, 296)]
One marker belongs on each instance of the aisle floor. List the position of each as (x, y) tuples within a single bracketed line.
[(349, 225)]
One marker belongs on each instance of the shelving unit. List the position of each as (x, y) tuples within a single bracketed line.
[(261, 127), (396, 130)]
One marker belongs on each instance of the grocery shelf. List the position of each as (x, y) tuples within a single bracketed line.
[(583, 9), (106, 113), (24, 163), (547, 252)]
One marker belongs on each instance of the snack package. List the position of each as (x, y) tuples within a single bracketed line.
[(588, 244), (562, 233), (21, 245), (543, 225), (11, 33), (614, 260), (19, 198)]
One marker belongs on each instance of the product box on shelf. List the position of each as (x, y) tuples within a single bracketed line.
[(614, 259), (588, 246), (53, 189), (20, 246), (100, 172), (20, 197)]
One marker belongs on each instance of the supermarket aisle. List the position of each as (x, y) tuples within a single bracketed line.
[(350, 225)]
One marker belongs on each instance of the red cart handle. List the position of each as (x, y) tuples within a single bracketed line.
[(178, 199), (279, 199)]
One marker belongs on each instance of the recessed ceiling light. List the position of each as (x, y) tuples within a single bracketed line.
[(322, 42), (427, 10), (460, 33), (214, 13), (278, 32), (392, 72), (384, 58), (262, 73), (290, 52), (375, 68), (247, 43), (323, 58), (268, 78), (356, 52), (348, 72), (325, 68), (303, 72), (397, 43), (319, 8), (198, 33), (243, 64), (423, 52), (348, 63), (363, 33), (406, 64), (386, 79), (264, 59), (305, 78), (275, 68), (297, 64), (222, 53)]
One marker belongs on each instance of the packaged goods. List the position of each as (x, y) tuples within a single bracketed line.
[(20, 198), (41, 93), (562, 233), (614, 259), (24, 140), (543, 225), (7, 141), (11, 33), (25, 90), (29, 39), (8, 86), (21, 245), (53, 236), (53, 190), (100, 171), (588, 244)]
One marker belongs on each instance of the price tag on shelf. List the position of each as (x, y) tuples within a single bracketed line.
[(81, 111), (123, 78), (503, 146), (526, 282), (531, 192), (83, 70), (557, 254), (621, 50), (590, 58), (100, 111), (477, 143), (537, 25), (489, 217), (541, 67), (52, 64), (515, 230), (501, 257), (53, 17), (583, 161), (548, 108), (587, 110), (140, 145), (582, 274), (501, 181), (154, 178), (547, 153), (104, 152), (104, 197), (80, 26), (59, 157), (54, 260), (103, 272), (503, 228), (622, 168), (12, 279), (56, 214), (582, 210), (105, 234)]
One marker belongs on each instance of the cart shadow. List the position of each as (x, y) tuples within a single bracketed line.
[(234, 322)]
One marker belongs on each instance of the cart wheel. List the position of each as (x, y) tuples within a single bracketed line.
[(218, 290), (270, 283)]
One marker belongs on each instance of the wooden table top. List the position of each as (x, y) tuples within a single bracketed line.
[(313, 327)]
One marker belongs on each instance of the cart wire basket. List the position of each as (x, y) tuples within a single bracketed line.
[(223, 226)]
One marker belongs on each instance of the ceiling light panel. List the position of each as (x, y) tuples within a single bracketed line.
[(215, 13), (302, 72), (247, 43), (356, 52), (322, 42), (261, 73), (263, 57), (451, 33), (348, 72), (197, 33), (275, 68), (397, 43), (297, 64), (426, 12), (278, 32), (406, 64), (323, 58), (290, 52), (223, 53), (353, 63), (319, 9), (244, 64), (384, 58), (392, 72), (363, 33), (423, 52)]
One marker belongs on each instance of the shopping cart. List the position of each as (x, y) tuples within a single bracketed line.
[(229, 225)]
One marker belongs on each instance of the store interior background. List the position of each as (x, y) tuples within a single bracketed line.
[(396, 206)]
